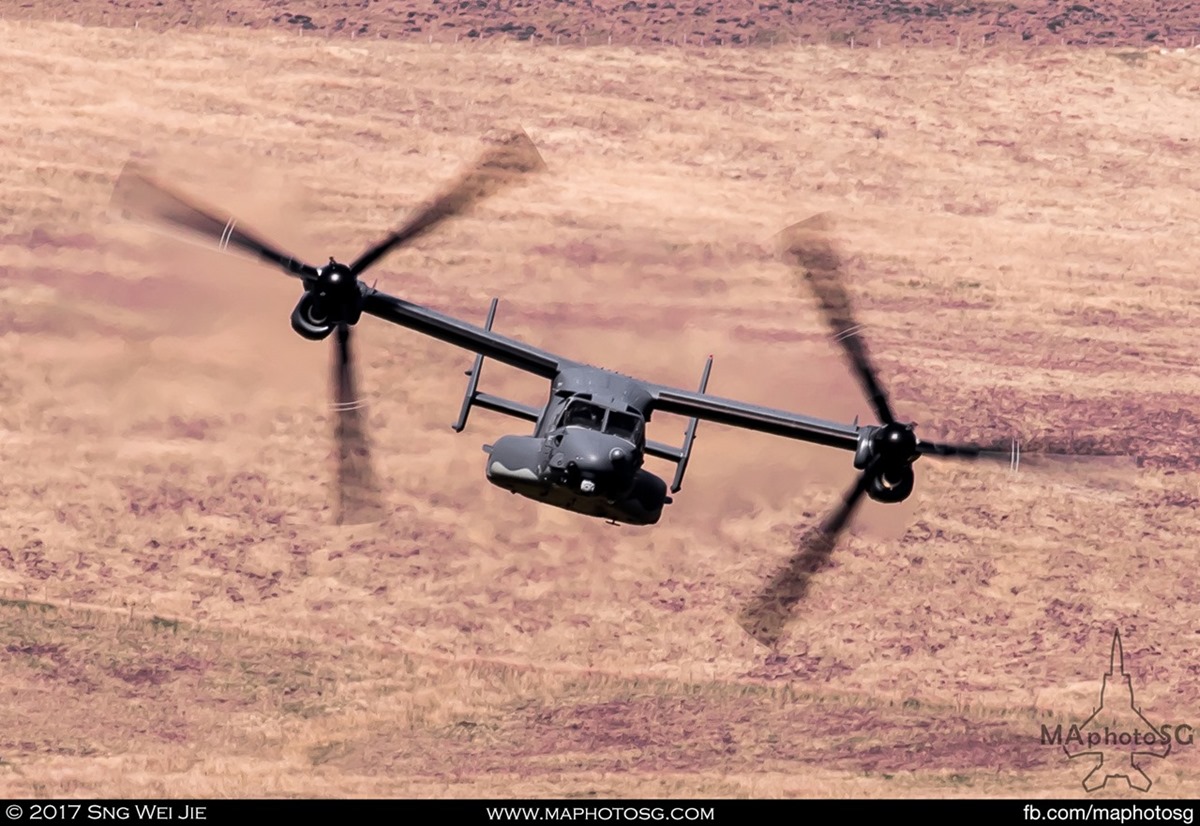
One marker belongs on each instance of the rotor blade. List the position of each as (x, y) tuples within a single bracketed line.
[(1015, 454), (513, 155), (357, 489), (1009, 452), (807, 246), (136, 191), (764, 617)]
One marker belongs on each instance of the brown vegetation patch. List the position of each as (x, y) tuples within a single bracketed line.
[(671, 22)]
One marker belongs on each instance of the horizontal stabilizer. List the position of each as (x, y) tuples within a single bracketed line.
[(521, 411), (473, 397), (681, 455), (662, 451)]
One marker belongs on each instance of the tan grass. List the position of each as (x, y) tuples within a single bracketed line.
[(1022, 237)]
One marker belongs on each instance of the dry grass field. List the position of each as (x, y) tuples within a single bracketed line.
[(674, 22), (180, 617)]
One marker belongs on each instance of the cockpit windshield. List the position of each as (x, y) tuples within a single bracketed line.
[(584, 414), (594, 417), (624, 425)]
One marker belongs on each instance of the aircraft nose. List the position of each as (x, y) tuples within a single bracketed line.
[(593, 463)]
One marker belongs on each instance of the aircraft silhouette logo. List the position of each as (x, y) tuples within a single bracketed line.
[(1116, 735)]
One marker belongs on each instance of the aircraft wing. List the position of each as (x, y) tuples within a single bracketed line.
[(699, 405), (462, 334)]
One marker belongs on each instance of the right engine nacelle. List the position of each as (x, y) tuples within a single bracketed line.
[(892, 486), (310, 320)]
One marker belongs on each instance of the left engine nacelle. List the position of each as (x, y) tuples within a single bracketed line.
[(310, 319), (514, 462)]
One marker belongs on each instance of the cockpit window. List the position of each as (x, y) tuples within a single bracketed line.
[(624, 425), (583, 414)]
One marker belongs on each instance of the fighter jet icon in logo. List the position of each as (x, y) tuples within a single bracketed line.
[(1117, 733)]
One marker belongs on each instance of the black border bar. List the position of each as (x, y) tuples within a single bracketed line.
[(193, 812)]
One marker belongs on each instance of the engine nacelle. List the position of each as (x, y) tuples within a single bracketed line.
[(310, 319), (890, 450), (514, 462), (647, 498), (892, 486), (866, 447)]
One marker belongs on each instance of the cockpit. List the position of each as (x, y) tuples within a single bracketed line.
[(581, 413)]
